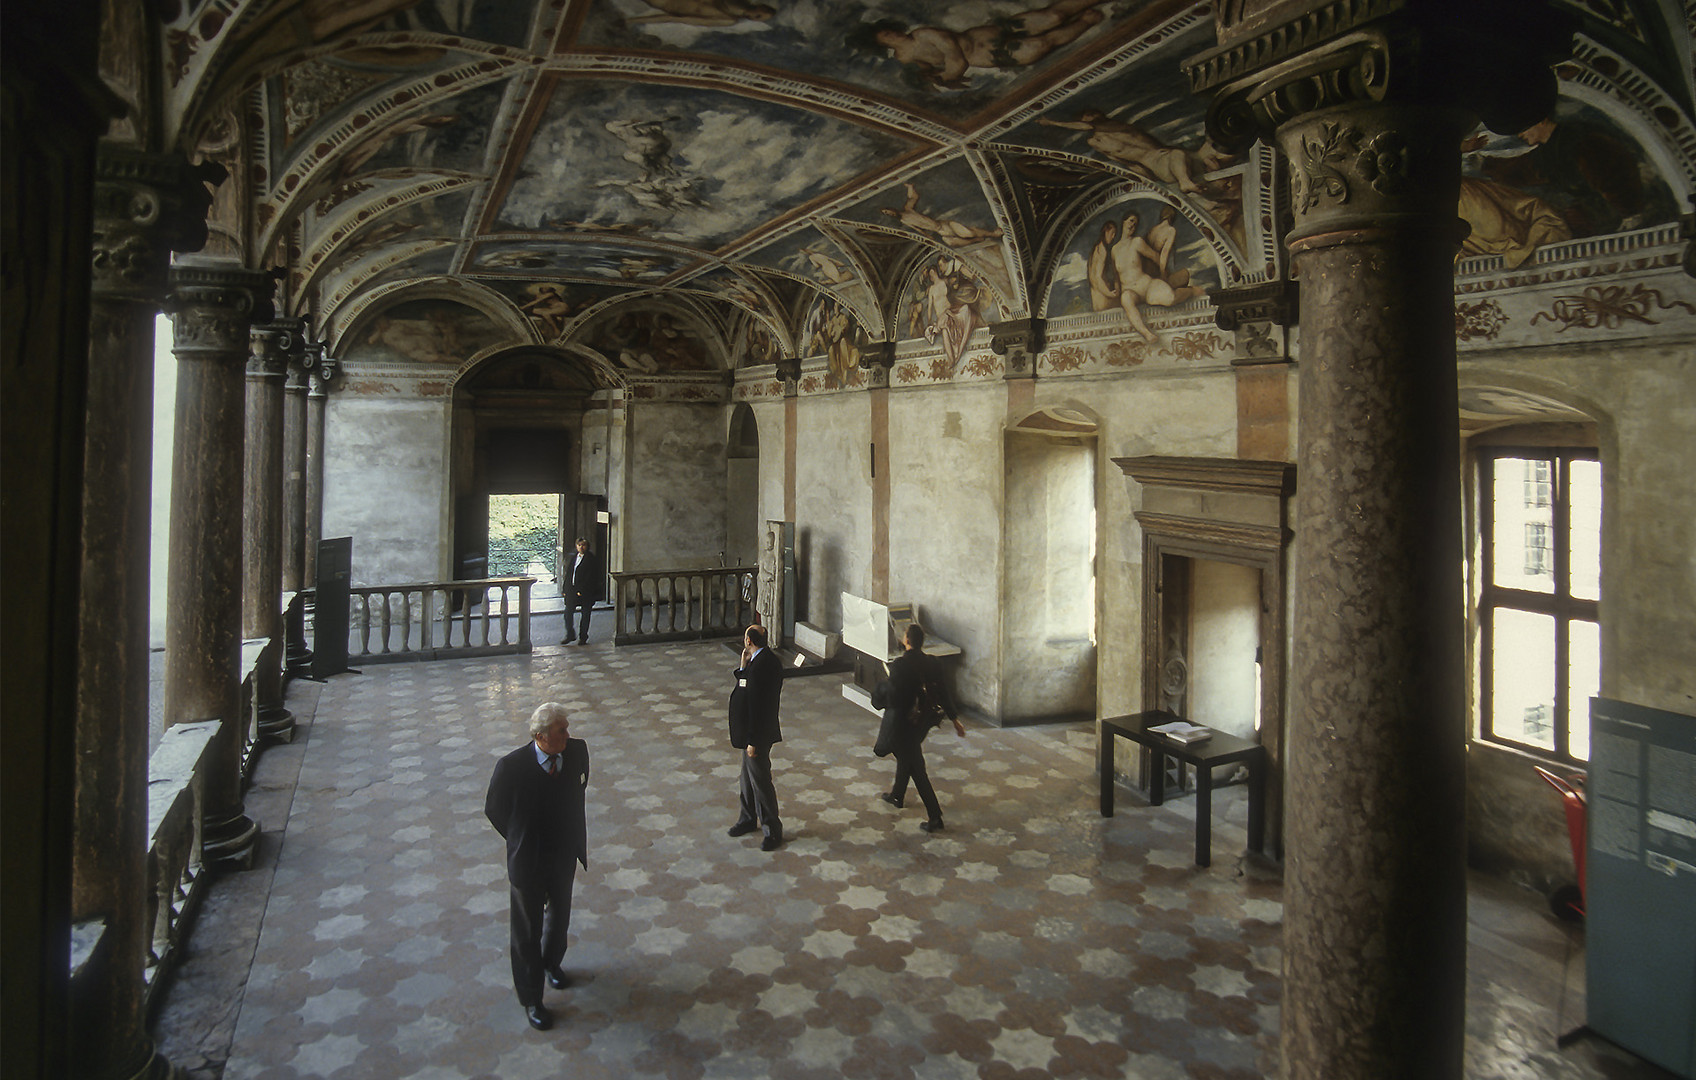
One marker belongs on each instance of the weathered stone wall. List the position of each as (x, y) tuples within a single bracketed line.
[(674, 512), (833, 535), (386, 480)]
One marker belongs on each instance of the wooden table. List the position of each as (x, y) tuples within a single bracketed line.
[(1221, 749)]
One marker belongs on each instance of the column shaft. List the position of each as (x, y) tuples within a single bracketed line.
[(215, 303), (320, 377), (294, 466), (144, 206), (262, 518)]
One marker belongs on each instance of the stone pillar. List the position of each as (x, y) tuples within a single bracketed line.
[(295, 386), (319, 379), (145, 206), (214, 303), (273, 347), (1370, 109), (876, 360)]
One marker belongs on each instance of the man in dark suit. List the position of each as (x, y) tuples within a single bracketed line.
[(584, 583), (753, 728), (535, 802), (911, 676)]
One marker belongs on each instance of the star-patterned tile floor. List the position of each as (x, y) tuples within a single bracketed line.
[(1032, 938)]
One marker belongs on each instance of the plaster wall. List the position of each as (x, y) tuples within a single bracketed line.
[(674, 512), (1048, 596), (386, 485), (833, 505), (1224, 634), (1189, 413), (770, 418), (945, 521)]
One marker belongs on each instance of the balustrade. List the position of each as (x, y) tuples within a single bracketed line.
[(177, 879), (682, 605), (440, 619)]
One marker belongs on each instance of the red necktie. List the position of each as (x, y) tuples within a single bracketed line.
[(553, 764)]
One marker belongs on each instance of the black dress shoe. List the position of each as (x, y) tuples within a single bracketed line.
[(931, 826), (771, 843), (557, 979), (892, 800), (539, 1017), (743, 828), (568, 641)]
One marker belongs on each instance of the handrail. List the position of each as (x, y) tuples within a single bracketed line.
[(420, 620), (682, 605)]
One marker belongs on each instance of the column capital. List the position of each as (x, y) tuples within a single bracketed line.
[(301, 365), (1268, 301), (876, 359), (213, 302), (145, 206), (1020, 341), (268, 355), (1278, 60), (321, 374)]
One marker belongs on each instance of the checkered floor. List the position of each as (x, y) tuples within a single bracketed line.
[(1032, 938)]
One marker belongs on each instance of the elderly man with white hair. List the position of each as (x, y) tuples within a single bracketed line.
[(535, 802)]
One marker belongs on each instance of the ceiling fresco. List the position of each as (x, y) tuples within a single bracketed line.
[(826, 173)]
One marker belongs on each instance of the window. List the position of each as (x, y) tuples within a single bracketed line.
[(1541, 534)]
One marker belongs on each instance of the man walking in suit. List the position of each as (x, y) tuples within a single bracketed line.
[(535, 802), (584, 583), (753, 728)]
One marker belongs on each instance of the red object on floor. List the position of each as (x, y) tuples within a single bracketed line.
[(1572, 798)]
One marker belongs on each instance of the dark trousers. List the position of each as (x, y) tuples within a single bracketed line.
[(759, 797), (540, 916), (910, 764), (572, 604)]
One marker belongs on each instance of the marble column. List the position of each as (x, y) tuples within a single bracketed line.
[(273, 345), (319, 378), (214, 302), (1370, 109), (295, 387), (145, 205)]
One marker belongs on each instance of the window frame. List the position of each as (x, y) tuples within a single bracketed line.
[(1558, 604)]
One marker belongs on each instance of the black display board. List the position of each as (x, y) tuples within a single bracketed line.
[(330, 610), (1640, 892)]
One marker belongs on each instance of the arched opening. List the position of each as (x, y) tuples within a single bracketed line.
[(1048, 576), (742, 488), (522, 485)]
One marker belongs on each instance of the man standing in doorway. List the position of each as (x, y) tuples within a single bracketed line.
[(753, 729), (535, 802), (583, 584)]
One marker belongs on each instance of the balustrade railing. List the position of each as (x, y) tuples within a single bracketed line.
[(682, 605), (176, 879), (439, 619)]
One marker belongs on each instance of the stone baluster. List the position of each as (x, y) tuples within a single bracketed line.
[(274, 347), (214, 304), (320, 377), (1369, 103), (145, 205)]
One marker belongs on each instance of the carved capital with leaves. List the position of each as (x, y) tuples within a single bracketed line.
[(1019, 342), (145, 207), (213, 303)]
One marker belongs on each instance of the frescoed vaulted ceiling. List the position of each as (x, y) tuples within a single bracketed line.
[(754, 164)]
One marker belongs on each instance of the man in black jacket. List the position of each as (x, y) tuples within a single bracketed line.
[(753, 728), (583, 585), (903, 733), (535, 802)]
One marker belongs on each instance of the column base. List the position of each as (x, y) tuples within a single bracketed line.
[(276, 724), (298, 664), (230, 844)]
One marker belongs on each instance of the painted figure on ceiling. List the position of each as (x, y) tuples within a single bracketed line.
[(949, 307), (1141, 266), (941, 58), (704, 12), (549, 308), (836, 335), (954, 234), (830, 270), (1143, 153), (1103, 279)]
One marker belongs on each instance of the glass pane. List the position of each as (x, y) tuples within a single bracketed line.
[(1583, 682), (1523, 518), (1522, 664), (1585, 482)]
